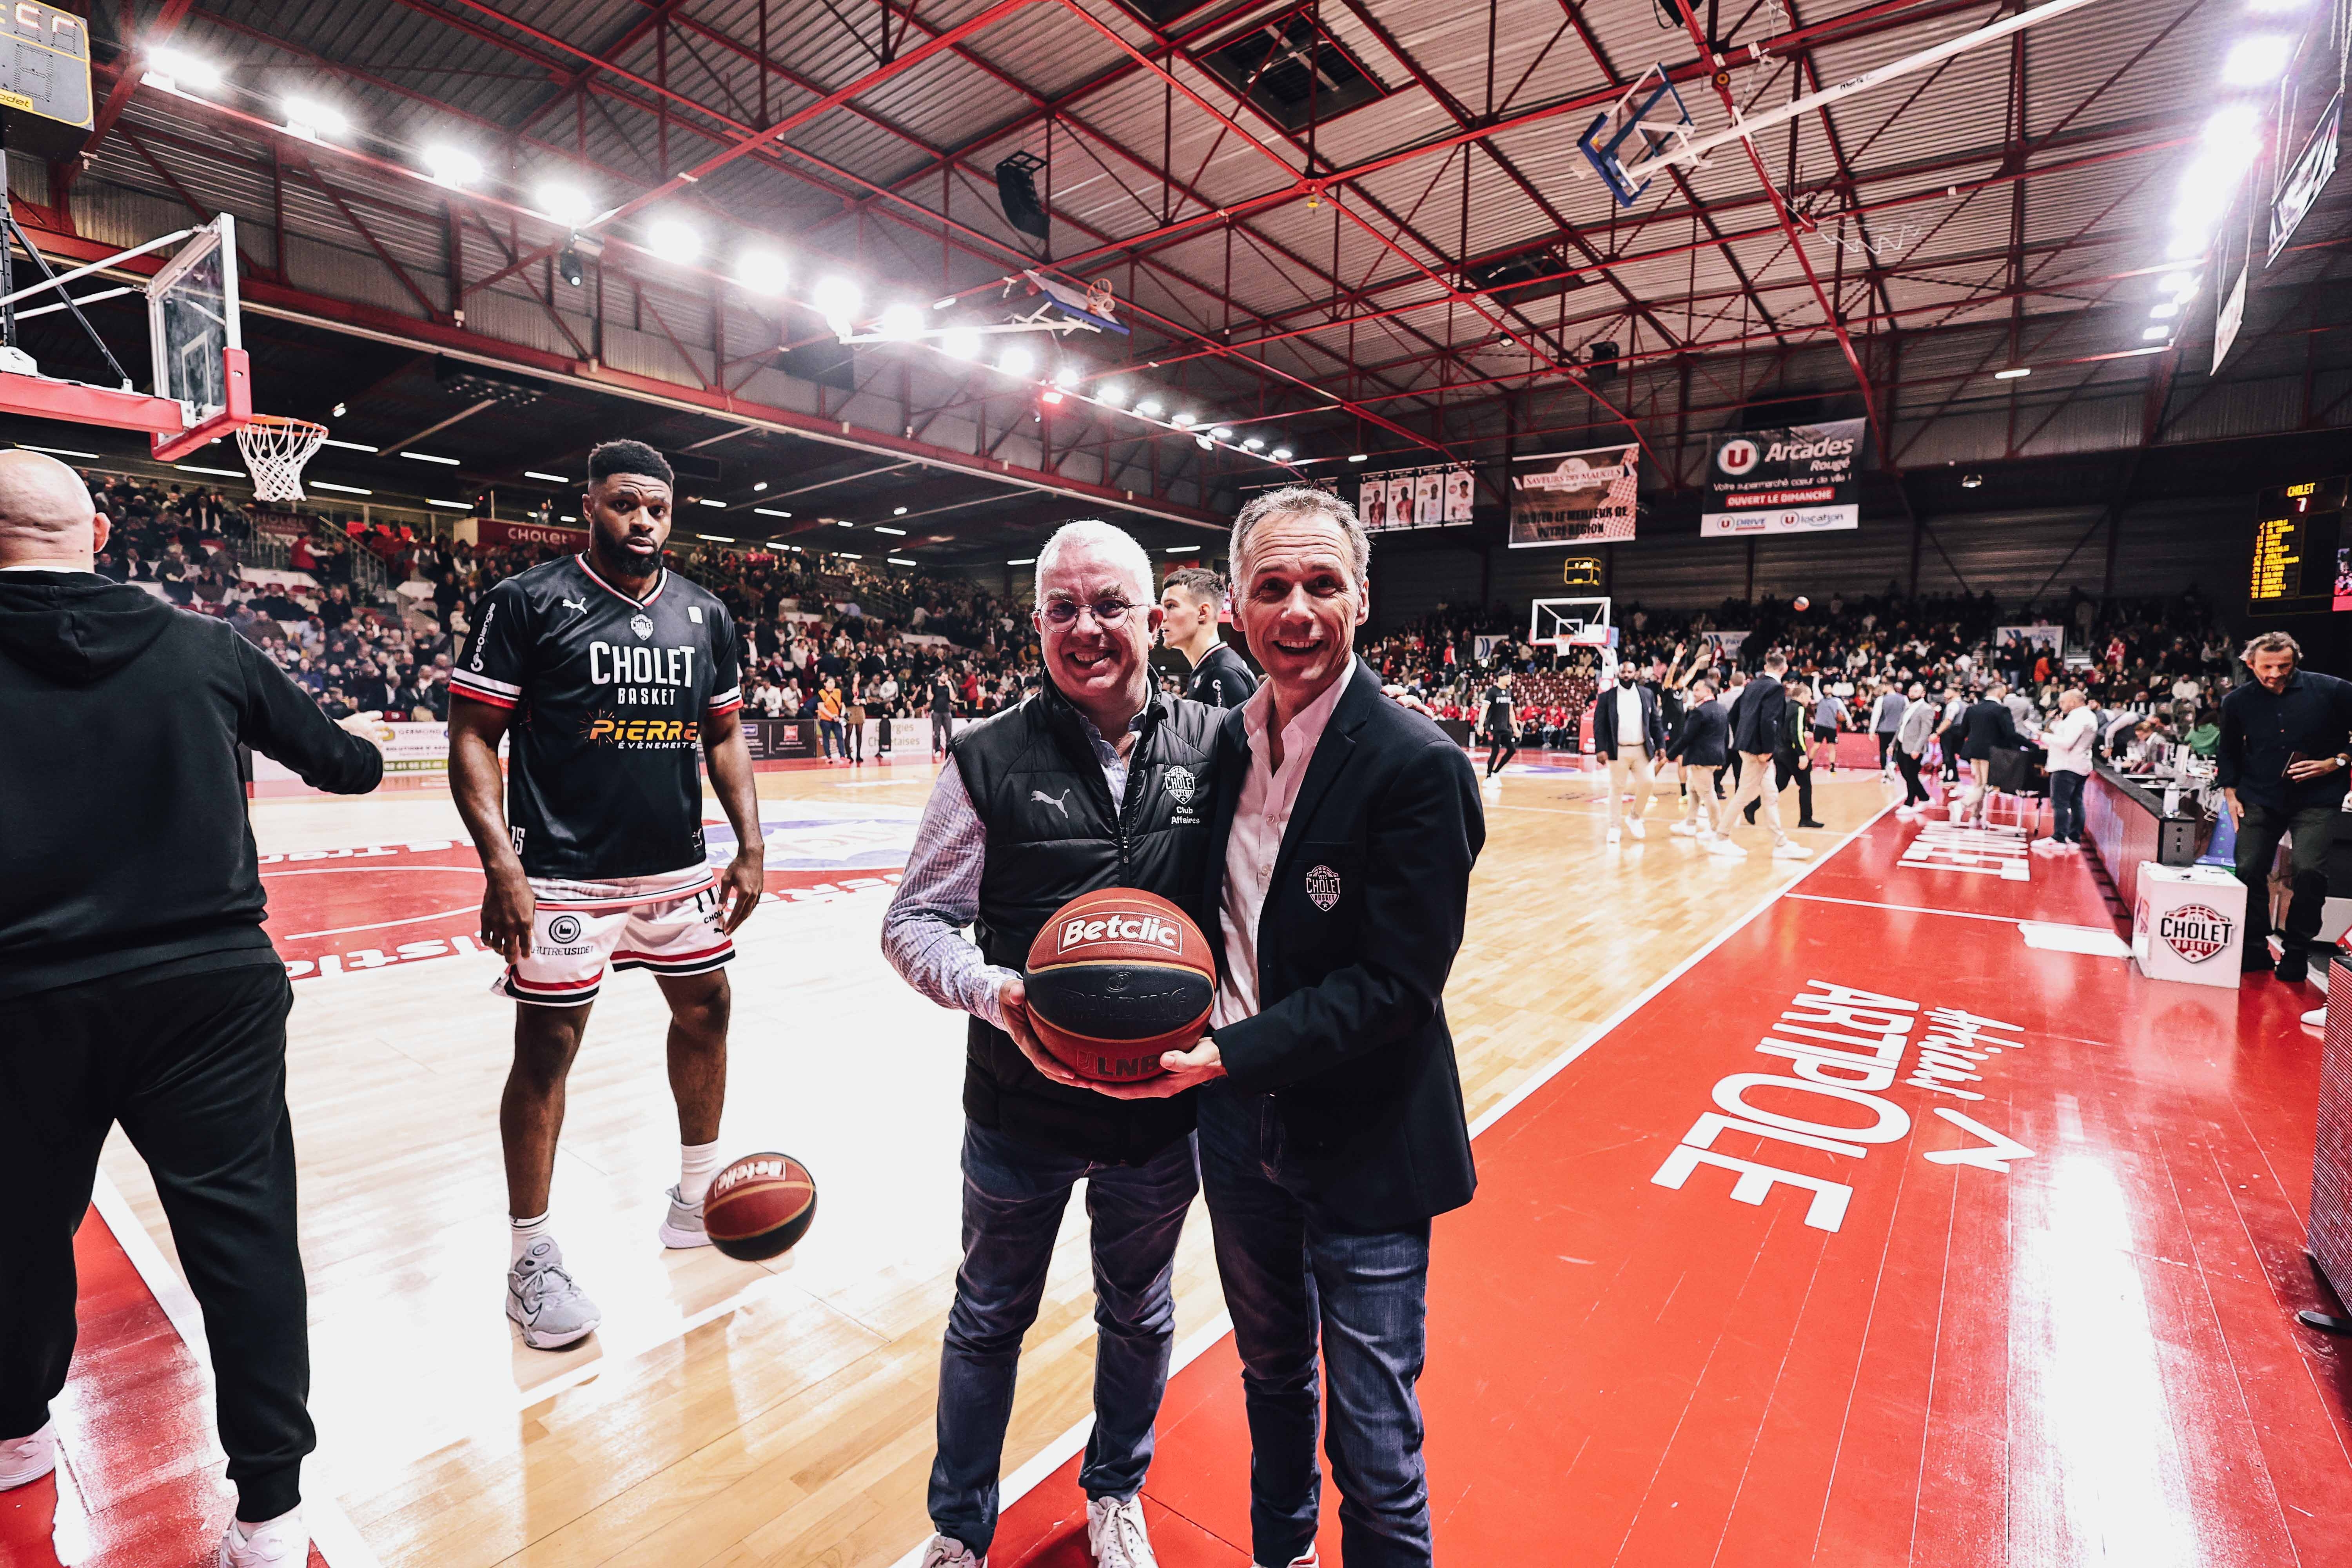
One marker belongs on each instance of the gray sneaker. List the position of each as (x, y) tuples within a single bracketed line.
[(683, 1226), (552, 1310)]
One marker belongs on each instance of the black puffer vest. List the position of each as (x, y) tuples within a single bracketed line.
[(1053, 832)]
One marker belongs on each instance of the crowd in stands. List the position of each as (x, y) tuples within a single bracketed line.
[(817, 629)]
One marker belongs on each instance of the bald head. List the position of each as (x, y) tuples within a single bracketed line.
[(45, 515)]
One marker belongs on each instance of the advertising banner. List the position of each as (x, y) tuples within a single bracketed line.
[(1429, 500), (1801, 479), (1459, 483), (498, 531), (1574, 498), (2043, 636), (1401, 501), (1372, 504), (279, 524), (770, 739)]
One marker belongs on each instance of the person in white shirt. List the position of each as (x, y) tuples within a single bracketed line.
[(2070, 739), (1628, 730)]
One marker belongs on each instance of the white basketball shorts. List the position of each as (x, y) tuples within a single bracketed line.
[(669, 923)]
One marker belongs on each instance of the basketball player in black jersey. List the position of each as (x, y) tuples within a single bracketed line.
[(1191, 597), (605, 673)]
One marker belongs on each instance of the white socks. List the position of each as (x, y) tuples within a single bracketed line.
[(523, 1233), (696, 1163)]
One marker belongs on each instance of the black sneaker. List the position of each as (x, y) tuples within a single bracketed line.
[(2292, 969), (2257, 962)]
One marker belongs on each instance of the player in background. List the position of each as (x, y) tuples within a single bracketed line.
[(1191, 597), (605, 672)]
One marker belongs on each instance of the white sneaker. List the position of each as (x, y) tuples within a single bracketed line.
[(1115, 1533), (1792, 850), (683, 1225), (1959, 816), (280, 1543), (1615, 834), (1910, 813), (1682, 829), (540, 1297), (947, 1551), (1721, 844), (24, 1460), (2045, 847), (2070, 847), (2317, 1018), (1634, 826)]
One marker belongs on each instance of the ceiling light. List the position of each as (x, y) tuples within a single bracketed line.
[(567, 517), (452, 166), (1180, 550), (2232, 128), (452, 505), (176, 69), (1148, 409), (551, 479), (2014, 373), (1017, 360), (566, 203), (718, 538), (429, 458), (567, 265), (347, 446), (1204, 443), (2252, 62), (1220, 434), (945, 304), (673, 240), (311, 120), (2275, 8), (1281, 454), (843, 521), (224, 473), (2176, 283), (1067, 376), (886, 528), (2185, 244), (1254, 444), (762, 271), (1184, 420), (758, 488), (959, 342), (770, 512), (849, 555), (2165, 312), (1023, 560), (1357, 457), (337, 412), (898, 561), (899, 323), (1110, 392), (1052, 395), (899, 512), (706, 501), (2152, 334), (836, 300), (1971, 481), (346, 490)]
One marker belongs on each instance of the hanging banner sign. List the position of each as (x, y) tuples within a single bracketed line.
[(2314, 167), (1802, 479), (1575, 498), (1417, 498)]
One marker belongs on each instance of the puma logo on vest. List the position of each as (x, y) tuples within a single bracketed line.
[(1059, 803)]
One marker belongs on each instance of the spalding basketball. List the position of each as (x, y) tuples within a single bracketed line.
[(759, 1206), (1117, 977), (1802, 604)]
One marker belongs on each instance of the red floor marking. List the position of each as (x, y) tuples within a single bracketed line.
[(2091, 1355), (139, 1483)]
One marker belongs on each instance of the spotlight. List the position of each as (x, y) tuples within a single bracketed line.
[(2231, 128), (1971, 481), (946, 304), (673, 240), (1281, 454), (959, 342), (1254, 444), (898, 512), (2165, 312), (2155, 334), (311, 120), (1220, 434), (760, 486), (837, 300), (1110, 392), (1204, 443), (899, 323), (452, 166), (176, 69), (338, 412), (763, 272), (1148, 409), (2253, 62), (2014, 373), (568, 267), (1184, 421), (2176, 283), (1017, 360), (566, 203), (1358, 456)]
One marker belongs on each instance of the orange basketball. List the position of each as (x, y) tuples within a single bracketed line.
[(760, 1206), (1114, 978)]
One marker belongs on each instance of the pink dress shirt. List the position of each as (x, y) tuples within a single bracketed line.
[(1260, 819)]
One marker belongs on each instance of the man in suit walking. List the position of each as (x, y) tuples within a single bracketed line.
[(1628, 731), (1331, 1128), (1759, 719)]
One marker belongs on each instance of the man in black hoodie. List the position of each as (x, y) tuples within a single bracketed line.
[(136, 982)]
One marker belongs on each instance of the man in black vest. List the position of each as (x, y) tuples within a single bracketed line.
[(1092, 781), (1331, 1131), (1758, 722)]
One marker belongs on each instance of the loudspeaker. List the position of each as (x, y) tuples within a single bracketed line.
[(1602, 358), (1017, 191)]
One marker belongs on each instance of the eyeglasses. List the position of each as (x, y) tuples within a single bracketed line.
[(1107, 613)]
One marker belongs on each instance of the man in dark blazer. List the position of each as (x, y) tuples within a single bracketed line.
[(1331, 1128), (1758, 720), (1984, 726), (1629, 733)]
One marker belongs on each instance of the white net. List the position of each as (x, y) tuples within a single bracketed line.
[(275, 450)]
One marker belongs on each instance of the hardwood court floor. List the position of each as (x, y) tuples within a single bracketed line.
[(728, 1414)]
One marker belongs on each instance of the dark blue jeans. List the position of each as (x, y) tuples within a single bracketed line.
[(1014, 1196), (1292, 1275), (2066, 807)]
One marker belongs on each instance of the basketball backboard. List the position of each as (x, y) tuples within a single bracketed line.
[(1649, 118), (1571, 623)]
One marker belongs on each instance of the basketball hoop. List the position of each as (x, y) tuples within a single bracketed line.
[(275, 449)]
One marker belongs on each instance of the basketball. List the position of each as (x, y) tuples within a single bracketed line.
[(1802, 604), (760, 1206), (1117, 977)]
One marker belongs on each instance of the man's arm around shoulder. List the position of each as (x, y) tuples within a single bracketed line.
[(1422, 835)]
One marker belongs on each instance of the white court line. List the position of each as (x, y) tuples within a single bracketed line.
[(331, 1531), (1057, 1453), (1911, 908)]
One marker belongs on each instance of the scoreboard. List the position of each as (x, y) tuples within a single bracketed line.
[(2300, 550)]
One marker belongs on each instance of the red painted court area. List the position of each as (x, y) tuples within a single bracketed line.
[(1704, 1313), (139, 1475)]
